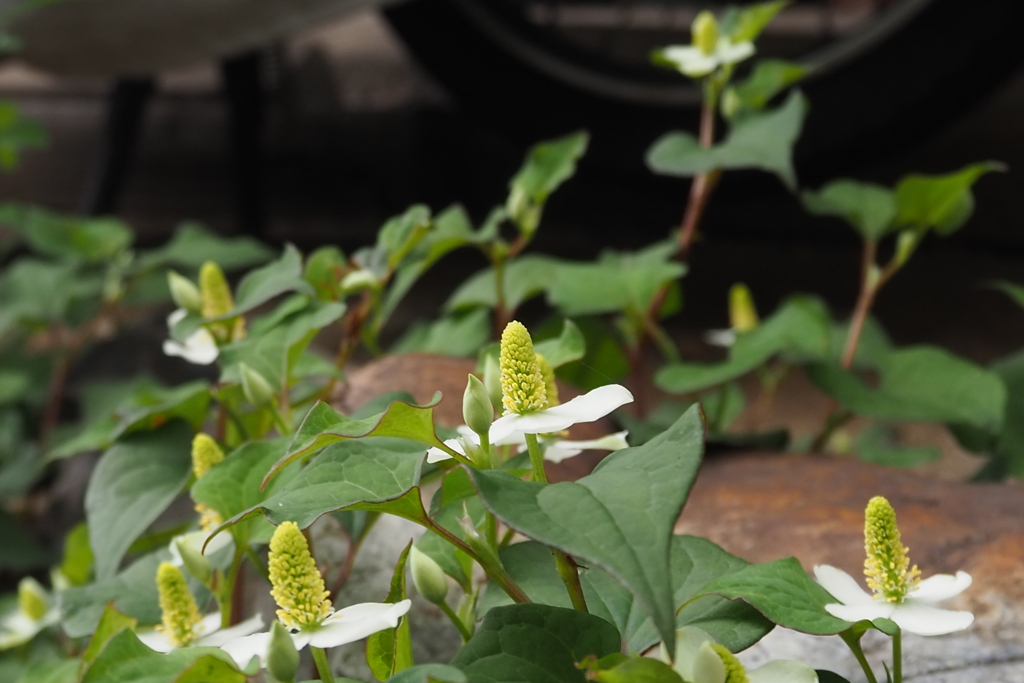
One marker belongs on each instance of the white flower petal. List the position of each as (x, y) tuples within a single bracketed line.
[(176, 317), (724, 338), (940, 587), (925, 620), (17, 628), (199, 349), (242, 650), (873, 610), (730, 53), (155, 640), (217, 636), (690, 60), (195, 540), (591, 406), (560, 450), (708, 667), (841, 585), (209, 625), (689, 640), (437, 455), (783, 671), (357, 622)]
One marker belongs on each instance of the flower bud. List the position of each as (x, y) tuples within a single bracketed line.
[(215, 294), (257, 389), (185, 294), (905, 245), (282, 658), (428, 577), (357, 281), (705, 32), (477, 411), (32, 599), (742, 314), (195, 562)]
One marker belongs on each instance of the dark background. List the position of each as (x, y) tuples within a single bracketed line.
[(356, 132)]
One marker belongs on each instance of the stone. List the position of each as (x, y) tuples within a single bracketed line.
[(766, 506)]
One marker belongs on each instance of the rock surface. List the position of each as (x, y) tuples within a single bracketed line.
[(766, 506)]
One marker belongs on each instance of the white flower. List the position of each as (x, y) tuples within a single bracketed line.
[(591, 406), (196, 540), (694, 62), (915, 614), (346, 626), (199, 347), (699, 659), (721, 337), (35, 611), (556, 450), (208, 633)]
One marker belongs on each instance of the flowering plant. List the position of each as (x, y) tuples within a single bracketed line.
[(567, 581)]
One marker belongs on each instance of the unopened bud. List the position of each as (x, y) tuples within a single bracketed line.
[(357, 281), (705, 32), (742, 314), (32, 600), (257, 389), (282, 658), (477, 410), (195, 562), (427, 576), (905, 245), (184, 292)]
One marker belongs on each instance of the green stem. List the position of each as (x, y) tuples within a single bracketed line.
[(459, 623), (853, 642), (256, 562), (322, 665), (571, 578), (834, 421), (491, 565), (897, 657), (228, 589), (455, 454), (536, 458), (565, 566), (282, 427)]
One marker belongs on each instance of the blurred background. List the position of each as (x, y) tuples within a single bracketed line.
[(315, 124)]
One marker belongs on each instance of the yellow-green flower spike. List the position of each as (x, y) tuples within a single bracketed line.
[(522, 385), (180, 612), (705, 32), (887, 567), (216, 301), (298, 587), (735, 672), (205, 454), (32, 599), (209, 519), (742, 314), (214, 291), (550, 387)]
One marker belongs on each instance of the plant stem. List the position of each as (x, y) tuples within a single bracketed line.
[(490, 565), (228, 602), (459, 623), (869, 287), (897, 657), (501, 313), (323, 667), (536, 458), (703, 183), (563, 563), (853, 642)]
